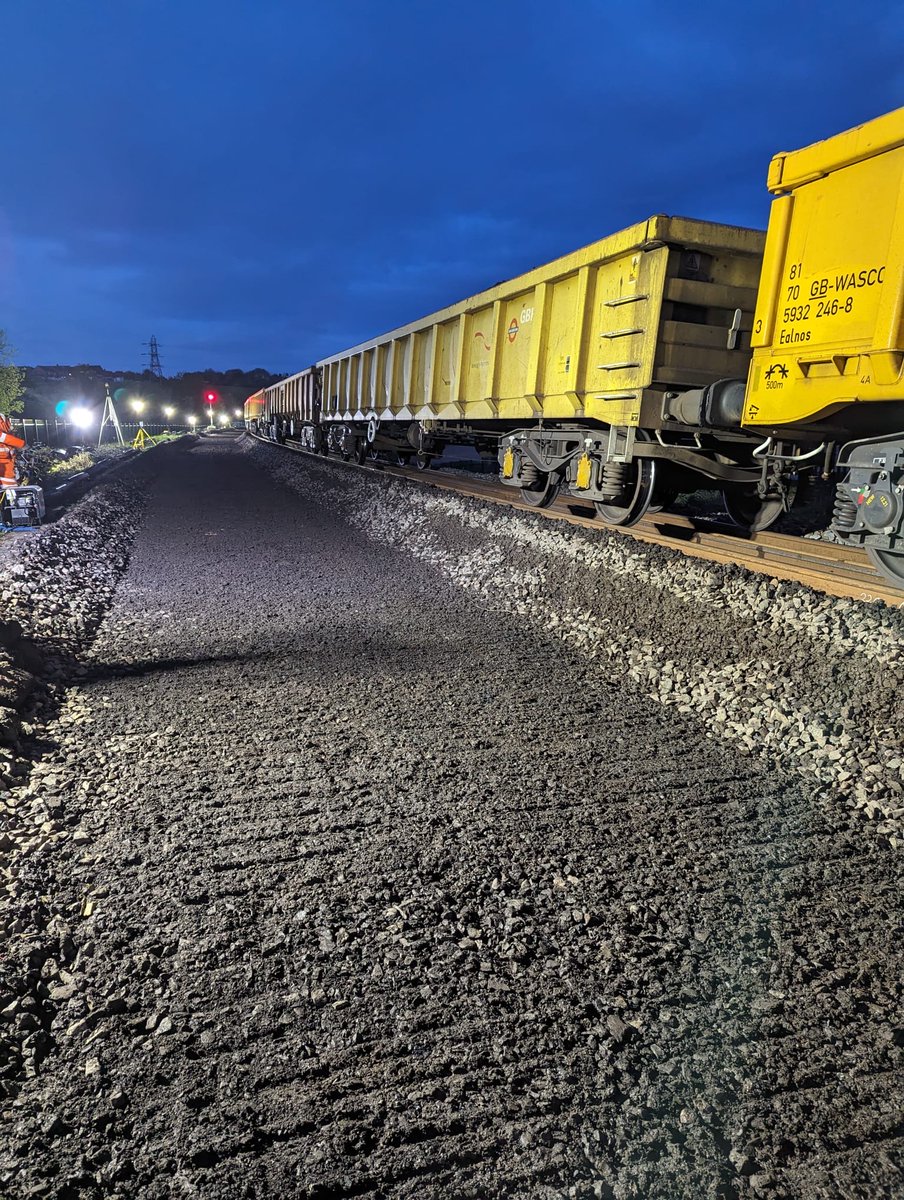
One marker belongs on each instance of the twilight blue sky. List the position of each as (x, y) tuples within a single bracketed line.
[(263, 182)]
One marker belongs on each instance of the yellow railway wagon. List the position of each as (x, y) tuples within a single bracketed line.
[(828, 360), (253, 410), (295, 400), (597, 335), (828, 331)]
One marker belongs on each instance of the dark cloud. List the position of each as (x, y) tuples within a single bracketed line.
[(265, 183)]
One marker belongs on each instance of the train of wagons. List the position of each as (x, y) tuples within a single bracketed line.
[(672, 356)]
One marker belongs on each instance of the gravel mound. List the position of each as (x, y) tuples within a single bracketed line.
[(365, 887), (55, 585), (770, 666)]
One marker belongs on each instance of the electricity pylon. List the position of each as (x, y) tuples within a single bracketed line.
[(153, 357)]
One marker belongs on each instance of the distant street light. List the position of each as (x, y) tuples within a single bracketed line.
[(137, 405), (224, 420), (169, 412), (192, 420), (237, 413)]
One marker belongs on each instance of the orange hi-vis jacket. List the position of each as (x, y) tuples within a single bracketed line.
[(9, 444)]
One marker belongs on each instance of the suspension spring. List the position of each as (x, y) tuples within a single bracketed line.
[(527, 473), (844, 514), (613, 479)]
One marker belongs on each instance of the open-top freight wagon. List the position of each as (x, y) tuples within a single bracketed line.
[(673, 355)]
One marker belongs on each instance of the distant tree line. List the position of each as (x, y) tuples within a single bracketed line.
[(12, 380), (43, 388)]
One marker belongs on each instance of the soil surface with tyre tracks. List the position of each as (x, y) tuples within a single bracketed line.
[(361, 886)]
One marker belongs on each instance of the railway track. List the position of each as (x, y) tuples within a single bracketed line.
[(824, 566)]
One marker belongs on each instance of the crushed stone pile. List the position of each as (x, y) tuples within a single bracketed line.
[(55, 585)]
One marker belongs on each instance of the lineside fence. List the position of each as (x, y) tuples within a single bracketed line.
[(58, 433)]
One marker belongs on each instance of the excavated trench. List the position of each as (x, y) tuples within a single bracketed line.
[(380, 845)]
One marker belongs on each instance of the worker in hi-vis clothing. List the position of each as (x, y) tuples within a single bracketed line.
[(9, 444)]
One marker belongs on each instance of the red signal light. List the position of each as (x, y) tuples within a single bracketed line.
[(211, 397)]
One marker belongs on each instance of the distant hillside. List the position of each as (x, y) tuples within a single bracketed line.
[(46, 387)]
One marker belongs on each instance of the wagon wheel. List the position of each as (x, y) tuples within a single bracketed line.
[(640, 486), (541, 496), (663, 497), (888, 563), (751, 511)]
